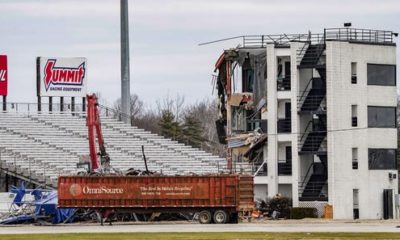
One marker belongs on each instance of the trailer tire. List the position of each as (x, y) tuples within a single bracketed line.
[(205, 217), (220, 217)]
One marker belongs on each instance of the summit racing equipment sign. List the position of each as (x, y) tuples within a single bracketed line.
[(3, 75), (61, 77)]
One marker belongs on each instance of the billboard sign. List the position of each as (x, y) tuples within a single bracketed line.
[(61, 77), (3, 75)]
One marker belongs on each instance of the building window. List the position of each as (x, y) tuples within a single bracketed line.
[(354, 73), (356, 213), (354, 153), (382, 117), (381, 159), (381, 74), (247, 76), (354, 116)]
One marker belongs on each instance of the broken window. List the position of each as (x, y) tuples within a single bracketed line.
[(238, 119), (247, 76), (245, 120)]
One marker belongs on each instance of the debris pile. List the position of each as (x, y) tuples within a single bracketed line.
[(35, 206)]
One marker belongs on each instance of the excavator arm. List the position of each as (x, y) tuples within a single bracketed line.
[(94, 131)]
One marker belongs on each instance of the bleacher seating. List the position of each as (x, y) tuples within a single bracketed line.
[(41, 146)]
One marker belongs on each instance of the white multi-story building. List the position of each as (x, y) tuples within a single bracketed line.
[(314, 118)]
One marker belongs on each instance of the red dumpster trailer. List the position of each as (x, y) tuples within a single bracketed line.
[(217, 198)]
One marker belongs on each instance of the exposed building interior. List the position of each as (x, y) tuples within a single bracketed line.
[(283, 103)]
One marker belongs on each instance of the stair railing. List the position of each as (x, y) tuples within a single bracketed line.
[(302, 52), (261, 169), (305, 133), (304, 94), (307, 176)]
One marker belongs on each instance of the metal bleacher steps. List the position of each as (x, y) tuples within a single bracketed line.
[(39, 147)]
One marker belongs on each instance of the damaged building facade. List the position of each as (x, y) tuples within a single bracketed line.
[(313, 118)]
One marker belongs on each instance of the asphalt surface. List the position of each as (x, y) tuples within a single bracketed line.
[(284, 226)]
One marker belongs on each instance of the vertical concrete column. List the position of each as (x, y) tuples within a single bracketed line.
[(294, 76), (228, 134), (331, 71), (272, 121)]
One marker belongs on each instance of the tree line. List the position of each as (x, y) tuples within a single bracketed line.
[(191, 124)]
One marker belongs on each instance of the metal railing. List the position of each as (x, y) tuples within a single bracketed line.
[(313, 189), (260, 169), (311, 100), (329, 34), (284, 168), (311, 186), (359, 35), (280, 39), (257, 41), (13, 107), (311, 103), (283, 83), (284, 125), (313, 142)]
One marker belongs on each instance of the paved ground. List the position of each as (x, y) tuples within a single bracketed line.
[(272, 226)]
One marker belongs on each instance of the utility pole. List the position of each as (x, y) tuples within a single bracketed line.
[(125, 78)]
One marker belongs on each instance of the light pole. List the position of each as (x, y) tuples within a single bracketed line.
[(125, 78)]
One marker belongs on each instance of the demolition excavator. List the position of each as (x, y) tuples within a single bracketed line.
[(100, 162)]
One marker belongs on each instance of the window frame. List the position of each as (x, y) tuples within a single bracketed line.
[(353, 159), (353, 76), (395, 116), (383, 85), (395, 159)]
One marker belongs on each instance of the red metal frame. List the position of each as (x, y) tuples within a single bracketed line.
[(94, 130)]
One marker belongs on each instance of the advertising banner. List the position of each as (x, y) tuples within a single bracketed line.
[(61, 77), (3, 75)]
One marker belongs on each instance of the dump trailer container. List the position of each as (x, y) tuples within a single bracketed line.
[(217, 198)]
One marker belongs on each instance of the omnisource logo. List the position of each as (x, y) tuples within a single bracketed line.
[(102, 190)]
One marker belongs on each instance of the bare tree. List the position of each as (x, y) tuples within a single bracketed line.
[(206, 113), (136, 106), (174, 105), (148, 121)]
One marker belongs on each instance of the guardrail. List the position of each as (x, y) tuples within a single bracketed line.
[(13, 107), (329, 34), (359, 35)]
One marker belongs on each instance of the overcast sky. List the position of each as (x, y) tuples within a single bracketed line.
[(164, 37)]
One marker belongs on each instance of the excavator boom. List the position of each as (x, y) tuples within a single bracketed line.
[(94, 131)]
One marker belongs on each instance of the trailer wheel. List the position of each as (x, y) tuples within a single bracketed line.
[(205, 217), (220, 216)]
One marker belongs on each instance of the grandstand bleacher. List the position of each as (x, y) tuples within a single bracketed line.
[(40, 146)]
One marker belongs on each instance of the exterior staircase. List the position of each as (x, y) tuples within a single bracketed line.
[(313, 186)]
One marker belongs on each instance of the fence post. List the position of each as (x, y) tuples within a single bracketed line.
[(44, 176), (4, 103), (30, 170), (50, 104), (61, 104), (83, 104), (39, 107)]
